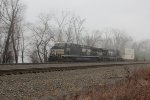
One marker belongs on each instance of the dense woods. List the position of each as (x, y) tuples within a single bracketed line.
[(22, 41)]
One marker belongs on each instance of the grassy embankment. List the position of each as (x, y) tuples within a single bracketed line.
[(132, 87)]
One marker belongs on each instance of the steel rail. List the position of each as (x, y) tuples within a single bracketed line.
[(72, 66)]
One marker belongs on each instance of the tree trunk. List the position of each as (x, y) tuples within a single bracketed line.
[(5, 53), (14, 48), (38, 49)]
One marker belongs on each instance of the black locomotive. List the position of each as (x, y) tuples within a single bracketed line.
[(75, 52)]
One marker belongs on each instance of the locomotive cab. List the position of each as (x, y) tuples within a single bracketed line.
[(56, 52)]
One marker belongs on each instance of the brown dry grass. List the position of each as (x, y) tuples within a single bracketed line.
[(133, 87)]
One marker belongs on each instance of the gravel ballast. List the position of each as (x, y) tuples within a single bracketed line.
[(50, 85)]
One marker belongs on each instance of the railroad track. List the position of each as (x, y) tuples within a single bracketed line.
[(14, 69)]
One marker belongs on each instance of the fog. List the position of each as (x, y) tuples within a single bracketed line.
[(29, 28), (129, 15)]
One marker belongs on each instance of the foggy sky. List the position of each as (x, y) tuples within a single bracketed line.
[(133, 16)]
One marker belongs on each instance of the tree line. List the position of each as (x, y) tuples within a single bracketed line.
[(22, 41)]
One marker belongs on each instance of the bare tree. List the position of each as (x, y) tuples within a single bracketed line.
[(61, 23), (11, 15), (78, 25), (69, 31), (120, 39), (116, 39), (1, 47), (1, 31), (33, 56), (93, 39), (42, 35), (21, 41), (107, 39), (69, 28)]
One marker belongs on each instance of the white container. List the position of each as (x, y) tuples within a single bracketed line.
[(128, 54)]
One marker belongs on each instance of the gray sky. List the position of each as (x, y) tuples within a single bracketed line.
[(132, 16)]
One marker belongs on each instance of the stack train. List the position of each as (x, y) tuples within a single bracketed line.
[(69, 52)]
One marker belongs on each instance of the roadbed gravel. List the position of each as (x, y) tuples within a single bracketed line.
[(50, 85)]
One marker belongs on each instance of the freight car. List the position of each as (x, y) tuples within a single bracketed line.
[(74, 52)]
